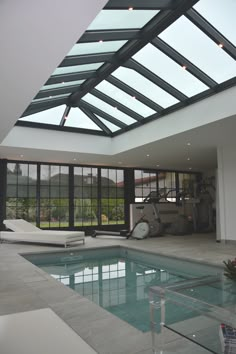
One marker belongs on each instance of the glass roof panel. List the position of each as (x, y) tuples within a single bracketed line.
[(125, 99), (199, 49), (96, 47), (107, 108), (122, 19), (64, 84), (145, 86), (51, 97), (166, 68), (77, 119), (76, 68), (221, 14), (113, 128), (49, 116)]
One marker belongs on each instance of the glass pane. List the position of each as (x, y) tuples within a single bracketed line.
[(145, 86), (44, 174), (109, 125), (199, 49), (78, 119), (65, 84), (51, 97), (118, 19), (164, 67), (113, 111), (221, 14), (124, 98), (76, 68), (32, 174), (54, 174), (11, 190), (96, 47), (49, 116)]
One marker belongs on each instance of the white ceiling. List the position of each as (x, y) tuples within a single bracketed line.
[(168, 153)]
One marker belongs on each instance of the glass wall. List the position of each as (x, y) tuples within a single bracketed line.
[(145, 182), (188, 184), (168, 184), (21, 191), (112, 196), (54, 196), (58, 196), (85, 196)]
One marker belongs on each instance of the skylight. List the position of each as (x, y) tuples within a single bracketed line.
[(197, 47), (139, 61), (121, 19)]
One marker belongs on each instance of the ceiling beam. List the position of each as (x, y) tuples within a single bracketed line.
[(132, 92), (181, 60), (211, 32), (140, 4), (97, 121), (65, 116), (59, 128), (56, 91), (58, 79), (159, 23), (86, 59), (105, 98), (109, 35), (101, 113), (36, 107), (133, 64)]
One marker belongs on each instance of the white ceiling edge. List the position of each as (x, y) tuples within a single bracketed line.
[(35, 36), (208, 110), (44, 139)]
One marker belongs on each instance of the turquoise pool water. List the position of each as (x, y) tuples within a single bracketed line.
[(118, 279)]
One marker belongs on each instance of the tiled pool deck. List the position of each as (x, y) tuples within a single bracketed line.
[(24, 287)]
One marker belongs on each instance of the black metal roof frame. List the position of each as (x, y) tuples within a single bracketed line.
[(136, 39)]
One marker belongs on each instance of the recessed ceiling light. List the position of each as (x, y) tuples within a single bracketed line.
[(190, 168), (148, 155), (157, 165), (221, 45), (74, 159), (21, 155), (100, 41), (184, 67), (63, 82), (130, 8), (65, 117), (120, 162), (188, 158), (188, 144), (134, 97)]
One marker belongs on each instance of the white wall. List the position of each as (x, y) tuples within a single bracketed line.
[(226, 177)]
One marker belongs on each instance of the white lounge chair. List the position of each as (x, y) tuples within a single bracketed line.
[(23, 231)]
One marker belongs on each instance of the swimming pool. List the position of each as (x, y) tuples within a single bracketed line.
[(118, 279)]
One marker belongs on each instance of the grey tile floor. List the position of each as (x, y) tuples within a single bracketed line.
[(24, 287)]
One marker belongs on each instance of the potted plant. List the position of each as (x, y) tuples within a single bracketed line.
[(230, 269)]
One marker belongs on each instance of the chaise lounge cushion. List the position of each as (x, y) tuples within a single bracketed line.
[(20, 225), (26, 232)]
